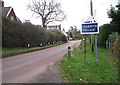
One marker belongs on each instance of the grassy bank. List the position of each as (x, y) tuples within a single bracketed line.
[(75, 71), (6, 52)]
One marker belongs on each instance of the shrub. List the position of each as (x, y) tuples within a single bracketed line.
[(104, 33), (19, 35), (114, 39), (116, 46), (51, 37), (64, 38)]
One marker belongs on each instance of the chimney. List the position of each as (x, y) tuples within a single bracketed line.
[(2, 3), (63, 29), (60, 27)]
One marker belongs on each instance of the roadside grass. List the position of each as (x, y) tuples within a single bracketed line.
[(75, 71), (6, 52)]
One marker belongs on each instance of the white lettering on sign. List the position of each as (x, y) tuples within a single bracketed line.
[(88, 29), (87, 26)]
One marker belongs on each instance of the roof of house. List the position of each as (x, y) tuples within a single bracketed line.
[(19, 20), (5, 10), (64, 33)]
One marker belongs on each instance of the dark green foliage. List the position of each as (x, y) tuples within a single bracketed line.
[(104, 32), (51, 37), (114, 14), (64, 38), (113, 36), (114, 39), (77, 35), (10, 36), (56, 36), (107, 29), (19, 35), (71, 35)]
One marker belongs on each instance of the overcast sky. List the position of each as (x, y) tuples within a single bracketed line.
[(76, 11)]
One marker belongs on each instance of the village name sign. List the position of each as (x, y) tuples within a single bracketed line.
[(90, 27)]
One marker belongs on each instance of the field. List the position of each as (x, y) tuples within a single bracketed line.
[(76, 71)]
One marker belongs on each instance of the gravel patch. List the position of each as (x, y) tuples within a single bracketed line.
[(51, 75)]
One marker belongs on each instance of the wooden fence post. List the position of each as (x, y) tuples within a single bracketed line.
[(112, 46), (81, 46), (107, 44)]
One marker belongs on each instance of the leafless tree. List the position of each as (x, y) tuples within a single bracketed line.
[(48, 10)]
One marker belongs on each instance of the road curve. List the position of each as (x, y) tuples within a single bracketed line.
[(24, 67)]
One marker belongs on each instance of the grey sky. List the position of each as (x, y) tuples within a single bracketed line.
[(76, 10)]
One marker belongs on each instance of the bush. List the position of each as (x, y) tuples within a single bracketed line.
[(64, 38), (114, 39), (58, 36), (10, 37), (116, 46), (113, 36), (104, 33), (19, 35), (114, 26), (51, 37)]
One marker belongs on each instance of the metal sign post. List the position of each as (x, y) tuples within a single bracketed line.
[(85, 50), (90, 27), (96, 48)]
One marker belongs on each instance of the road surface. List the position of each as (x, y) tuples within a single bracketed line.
[(25, 67)]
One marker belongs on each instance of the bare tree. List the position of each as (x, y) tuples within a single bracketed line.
[(48, 10)]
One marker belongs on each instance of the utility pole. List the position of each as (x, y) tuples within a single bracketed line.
[(92, 36), (91, 7)]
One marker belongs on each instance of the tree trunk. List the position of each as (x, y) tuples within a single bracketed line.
[(43, 23)]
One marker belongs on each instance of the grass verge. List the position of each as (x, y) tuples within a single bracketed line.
[(6, 52), (75, 71)]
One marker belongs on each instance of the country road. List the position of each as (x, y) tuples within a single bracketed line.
[(24, 67)]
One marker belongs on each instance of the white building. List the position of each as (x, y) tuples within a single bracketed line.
[(54, 28)]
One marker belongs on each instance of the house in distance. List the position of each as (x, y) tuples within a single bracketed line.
[(8, 12), (53, 28)]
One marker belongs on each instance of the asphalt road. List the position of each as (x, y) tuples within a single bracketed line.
[(25, 67)]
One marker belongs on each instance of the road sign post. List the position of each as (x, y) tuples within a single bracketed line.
[(96, 48), (90, 27), (85, 50)]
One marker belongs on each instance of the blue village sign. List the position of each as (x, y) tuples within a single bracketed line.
[(90, 28)]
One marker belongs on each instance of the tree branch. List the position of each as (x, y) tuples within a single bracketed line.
[(48, 10)]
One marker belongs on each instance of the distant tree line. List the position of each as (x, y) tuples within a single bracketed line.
[(15, 34), (74, 33)]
